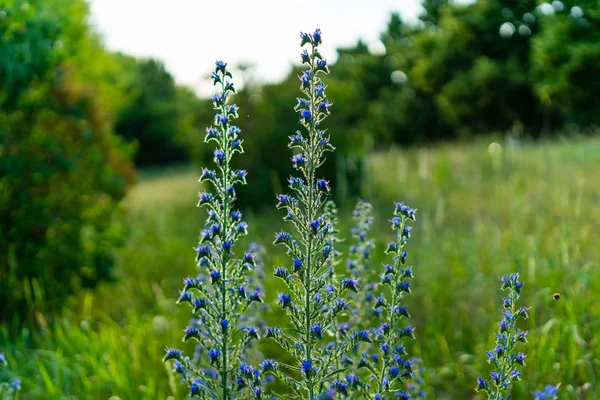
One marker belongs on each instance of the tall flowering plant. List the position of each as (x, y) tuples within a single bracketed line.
[(387, 365), (313, 301), (357, 263), (506, 361), (346, 340), (221, 295)]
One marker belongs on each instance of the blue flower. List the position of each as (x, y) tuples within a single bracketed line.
[(178, 367), (195, 389), (220, 65), (549, 393), (392, 247), (482, 384), (214, 354), (496, 376), (362, 336), (316, 331), (352, 380), (236, 215), (215, 276), (173, 354), (404, 286), (298, 160), (281, 272), (200, 303), (236, 144), (185, 297), (320, 90), (323, 185), (340, 387), (283, 237), (401, 311), (285, 300), (219, 155), (306, 367), (269, 365), (306, 115), (317, 37), (273, 331), (409, 332), (251, 332), (304, 38), (349, 283), (191, 332), (297, 264), (304, 56)]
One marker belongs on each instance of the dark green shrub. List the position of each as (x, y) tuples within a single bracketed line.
[(155, 116), (62, 171)]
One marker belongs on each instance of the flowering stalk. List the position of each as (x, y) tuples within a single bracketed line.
[(331, 215), (505, 360), (220, 297), (358, 262), (312, 303), (389, 369)]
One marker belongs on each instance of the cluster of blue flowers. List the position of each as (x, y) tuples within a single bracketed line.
[(314, 300), (506, 361), (8, 390), (222, 293), (346, 339)]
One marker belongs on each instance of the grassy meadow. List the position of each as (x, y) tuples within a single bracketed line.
[(483, 211)]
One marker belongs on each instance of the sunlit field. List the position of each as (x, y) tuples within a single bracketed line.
[(485, 210)]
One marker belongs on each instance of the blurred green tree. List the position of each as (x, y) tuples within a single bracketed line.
[(157, 117), (566, 65), (62, 170)]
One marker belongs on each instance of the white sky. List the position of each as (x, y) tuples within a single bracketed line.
[(189, 35)]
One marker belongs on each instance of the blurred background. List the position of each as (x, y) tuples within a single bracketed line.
[(482, 114)]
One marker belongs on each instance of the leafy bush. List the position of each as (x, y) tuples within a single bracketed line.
[(62, 171), (155, 115)]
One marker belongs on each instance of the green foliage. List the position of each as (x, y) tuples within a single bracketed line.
[(486, 66), (157, 116), (62, 171), (528, 209), (566, 63)]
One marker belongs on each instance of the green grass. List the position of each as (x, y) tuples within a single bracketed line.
[(482, 213)]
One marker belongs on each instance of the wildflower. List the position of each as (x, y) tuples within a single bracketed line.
[(298, 160), (214, 354), (349, 283), (550, 392), (191, 332), (220, 305), (307, 368), (251, 332), (502, 356), (316, 331), (306, 115), (285, 300)]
